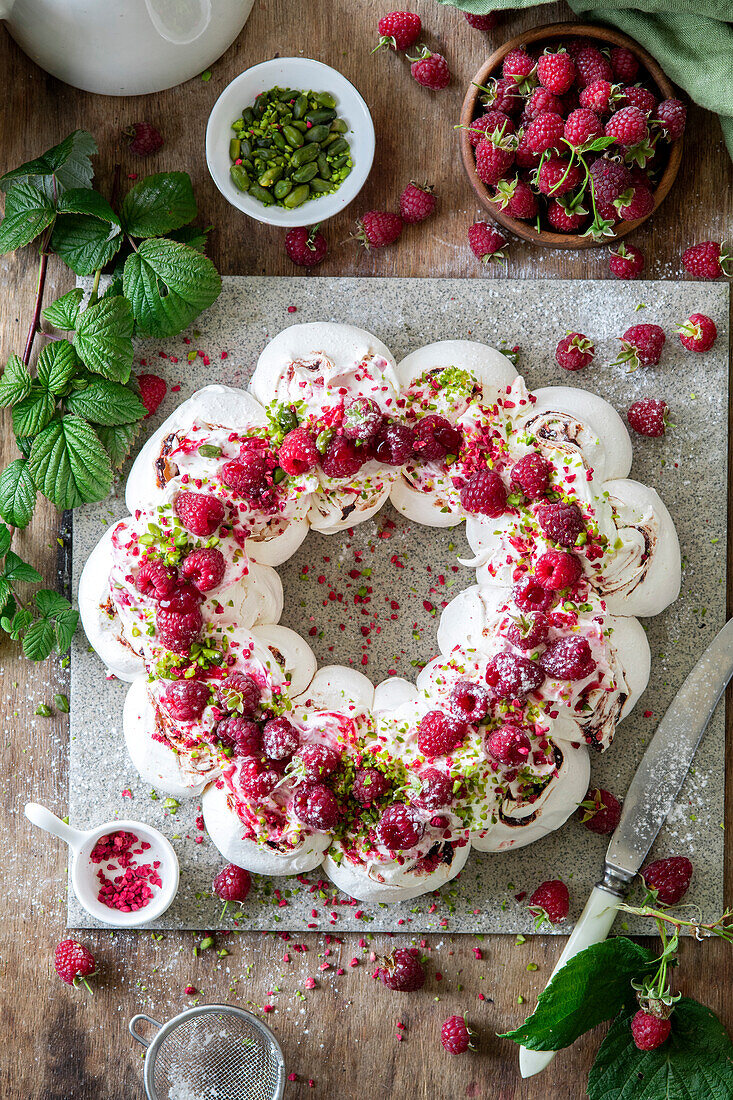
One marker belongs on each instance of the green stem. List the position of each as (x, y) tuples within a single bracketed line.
[(40, 287), (95, 287)]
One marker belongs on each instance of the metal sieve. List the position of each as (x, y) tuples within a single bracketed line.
[(211, 1052)]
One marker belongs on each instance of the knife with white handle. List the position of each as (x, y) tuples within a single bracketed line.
[(650, 797)]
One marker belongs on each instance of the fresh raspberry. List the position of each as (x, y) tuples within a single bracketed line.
[(305, 246), (574, 351), (435, 437), (318, 761), (637, 202), (598, 96), (670, 878), (649, 1031), (417, 203), (484, 494), (469, 701), (317, 806), (341, 459), (241, 734), (544, 132), (399, 30), (402, 971), (204, 568), (256, 781), (186, 699), (641, 346), (508, 745), (624, 64), (568, 659), (481, 22), (706, 260), (232, 883), (502, 94), (530, 596), (601, 811), (298, 453), (591, 65), (671, 114), (627, 126), (550, 901), (240, 692), (542, 100), (648, 417), (438, 734), (518, 66), (394, 443), (524, 157), (556, 72), (565, 219), (582, 126), (246, 475), (641, 98), (184, 599), (455, 1036), (369, 785), (494, 158), (143, 139), (399, 828), (362, 419), (156, 580), (430, 70), (513, 677), (626, 261), (436, 790), (698, 333), (561, 523), (530, 476), (378, 228), (577, 43), (176, 632), (152, 391), (557, 176), (529, 632), (200, 513), (74, 963), (493, 124), (280, 739), (486, 242)]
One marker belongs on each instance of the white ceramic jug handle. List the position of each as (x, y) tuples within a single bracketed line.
[(44, 819)]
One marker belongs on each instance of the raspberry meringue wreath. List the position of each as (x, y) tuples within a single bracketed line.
[(388, 787)]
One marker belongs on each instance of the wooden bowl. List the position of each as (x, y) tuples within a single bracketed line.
[(492, 67)]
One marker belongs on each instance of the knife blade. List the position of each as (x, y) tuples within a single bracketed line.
[(649, 799)]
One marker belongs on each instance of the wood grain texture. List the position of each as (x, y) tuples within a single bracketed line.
[(64, 1045)]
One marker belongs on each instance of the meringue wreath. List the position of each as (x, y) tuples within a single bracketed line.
[(388, 787)]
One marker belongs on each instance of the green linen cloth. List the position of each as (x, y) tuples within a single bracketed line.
[(691, 39)]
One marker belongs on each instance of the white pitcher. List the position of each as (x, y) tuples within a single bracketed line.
[(124, 47)]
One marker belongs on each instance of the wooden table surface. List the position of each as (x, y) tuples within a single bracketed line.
[(64, 1045)]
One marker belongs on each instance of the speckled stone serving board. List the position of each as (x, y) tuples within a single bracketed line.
[(415, 567)]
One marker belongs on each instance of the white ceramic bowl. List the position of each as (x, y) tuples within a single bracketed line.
[(304, 74)]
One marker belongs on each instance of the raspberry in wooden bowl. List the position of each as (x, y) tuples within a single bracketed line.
[(571, 135)]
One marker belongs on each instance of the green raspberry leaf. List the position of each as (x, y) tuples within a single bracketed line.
[(63, 313), (5, 540), (39, 639), (118, 440), (169, 284), (158, 205), (68, 163), (27, 213), (103, 338), (50, 603), (15, 569), (590, 988), (84, 242), (82, 200), (33, 413), (696, 1060), (106, 402), (6, 596), (65, 623), (15, 383), (17, 494), (192, 236), (56, 366), (69, 464)]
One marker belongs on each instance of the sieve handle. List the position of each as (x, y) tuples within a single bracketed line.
[(135, 1033)]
